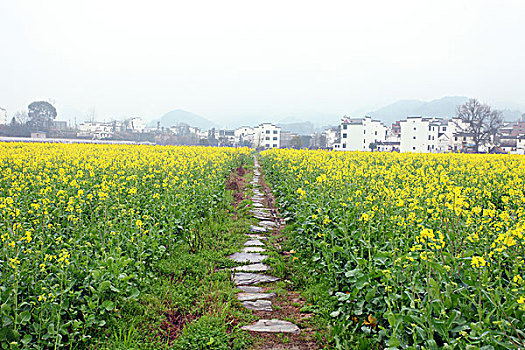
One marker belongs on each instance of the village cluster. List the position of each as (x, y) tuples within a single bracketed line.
[(413, 134)]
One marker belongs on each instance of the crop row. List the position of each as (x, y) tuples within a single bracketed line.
[(418, 250), (82, 227)]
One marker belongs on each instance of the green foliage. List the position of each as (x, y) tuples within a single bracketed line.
[(85, 228), (407, 251), (209, 333)]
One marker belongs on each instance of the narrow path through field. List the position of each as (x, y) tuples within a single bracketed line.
[(254, 279)]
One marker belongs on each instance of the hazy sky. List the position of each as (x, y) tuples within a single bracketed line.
[(229, 60)]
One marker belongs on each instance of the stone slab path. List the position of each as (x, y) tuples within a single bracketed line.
[(251, 273), (273, 326), (252, 268), (247, 257)]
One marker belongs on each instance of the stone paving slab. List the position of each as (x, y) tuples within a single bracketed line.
[(258, 205), (250, 289), (247, 257), (254, 228), (255, 296), (252, 268), (246, 278), (266, 215), (272, 326), (253, 242), (256, 236), (260, 211), (268, 224), (258, 305), (253, 250), (263, 218)]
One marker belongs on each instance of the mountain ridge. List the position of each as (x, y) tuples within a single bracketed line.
[(178, 116), (444, 107)]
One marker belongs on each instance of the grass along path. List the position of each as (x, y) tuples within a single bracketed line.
[(192, 303)]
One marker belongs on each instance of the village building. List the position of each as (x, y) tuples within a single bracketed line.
[(267, 135), (244, 136), (96, 130), (332, 137), (361, 134)]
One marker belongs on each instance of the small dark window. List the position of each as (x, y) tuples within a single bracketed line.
[(344, 145), (444, 128), (344, 136), (345, 126), (267, 131), (375, 133), (275, 131), (274, 145), (414, 148), (414, 137), (364, 131), (275, 138), (267, 138)]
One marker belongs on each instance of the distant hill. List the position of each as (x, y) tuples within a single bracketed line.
[(512, 115), (444, 107), (300, 128), (180, 116)]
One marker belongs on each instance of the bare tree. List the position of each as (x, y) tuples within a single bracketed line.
[(21, 117), (480, 121)]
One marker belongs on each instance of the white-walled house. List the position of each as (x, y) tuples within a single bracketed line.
[(244, 135), (136, 124), (426, 135), (360, 134), (225, 137), (332, 137), (392, 140), (96, 130), (415, 135), (267, 135), (520, 145)]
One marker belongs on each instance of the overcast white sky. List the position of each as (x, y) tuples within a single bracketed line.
[(228, 59)]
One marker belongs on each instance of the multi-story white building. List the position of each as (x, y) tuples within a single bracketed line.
[(267, 135), (361, 134), (244, 135), (426, 135), (225, 137)]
